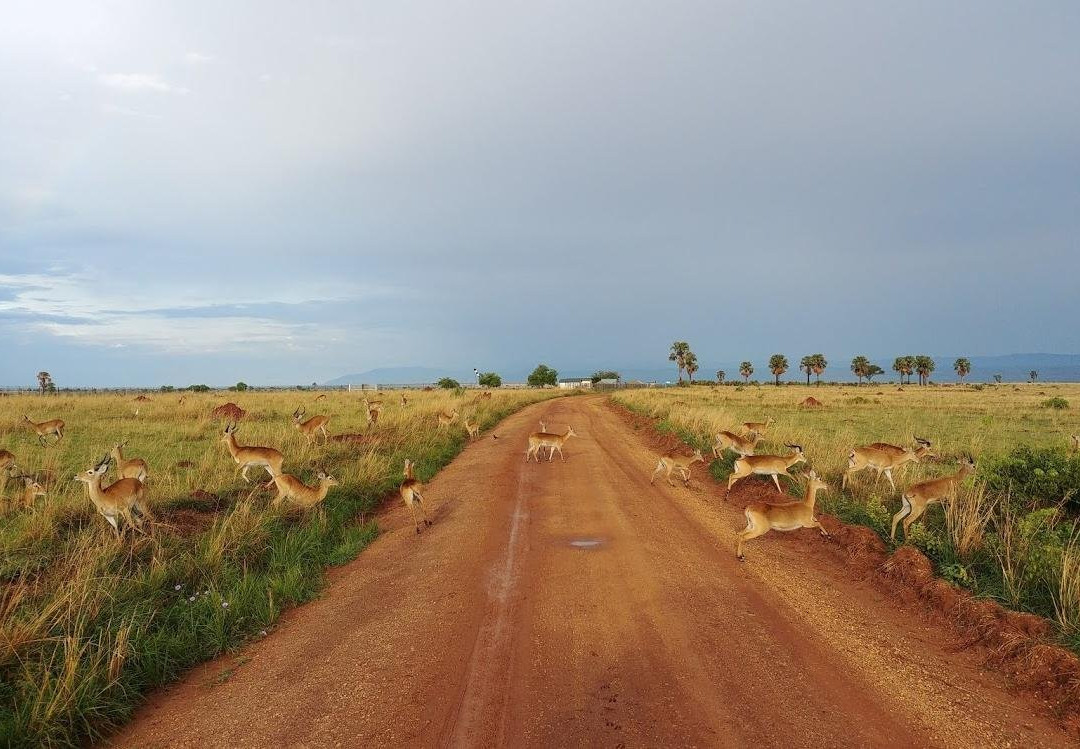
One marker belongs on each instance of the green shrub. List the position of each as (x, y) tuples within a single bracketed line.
[(448, 383), (1035, 475), (1057, 403)]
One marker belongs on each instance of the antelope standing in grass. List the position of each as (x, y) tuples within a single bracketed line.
[(553, 442), (883, 458), (132, 468), (7, 467), (742, 446), (410, 493), (473, 428), (766, 465), (757, 427), (404, 400), (300, 494), (446, 419), (117, 500), (373, 409), (670, 463), (32, 489), (915, 500), (312, 427), (52, 427), (247, 456), (762, 518), (1074, 443)]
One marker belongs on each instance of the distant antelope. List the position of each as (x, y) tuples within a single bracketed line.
[(246, 456), (757, 427), (53, 427), (883, 458), (670, 463), (446, 419), (473, 428), (32, 489), (373, 408), (538, 440), (1074, 443), (766, 465), (133, 468), (410, 493), (116, 500), (742, 446), (404, 400), (762, 518), (915, 500), (300, 494), (312, 427)]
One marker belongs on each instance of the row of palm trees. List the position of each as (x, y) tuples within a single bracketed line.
[(815, 364)]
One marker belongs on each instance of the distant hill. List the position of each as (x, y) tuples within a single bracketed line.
[(400, 376)]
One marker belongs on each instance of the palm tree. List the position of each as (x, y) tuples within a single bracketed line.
[(690, 364), (778, 364), (819, 365), (746, 369), (904, 365), (924, 365), (720, 374), (962, 367), (806, 364), (44, 381), (1034, 375), (679, 350), (860, 365)]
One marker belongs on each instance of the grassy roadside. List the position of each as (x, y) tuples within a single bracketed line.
[(89, 624)]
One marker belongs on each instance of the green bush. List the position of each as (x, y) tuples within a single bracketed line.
[(448, 383), (1057, 402), (1036, 475)]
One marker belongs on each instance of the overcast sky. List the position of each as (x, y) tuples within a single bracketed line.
[(284, 192)]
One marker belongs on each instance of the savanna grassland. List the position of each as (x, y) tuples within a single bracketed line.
[(1012, 531), (89, 623)]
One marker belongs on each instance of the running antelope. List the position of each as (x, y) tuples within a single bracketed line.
[(553, 442), (742, 446), (446, 419), (883, 458), (132, 468), (410, 492), (300, 494), (473, 428), (766, 465), (53, 427), (670, 463), (116, 500), (312, 427), (757, 427), (7, 467), (762, 518), (915, 500), (246, 456)]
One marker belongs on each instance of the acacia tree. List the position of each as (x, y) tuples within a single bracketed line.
[(962, 367), (605, 374), (720, 374), (873, 371), (746, 369), (45, 381), (679, 350), (904, 365), (489, 380), (819, 364), (691, 364), (924, 365), (543, 375), (860, 365), (778, 364)]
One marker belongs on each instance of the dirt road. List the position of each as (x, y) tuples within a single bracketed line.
[(573, 604)]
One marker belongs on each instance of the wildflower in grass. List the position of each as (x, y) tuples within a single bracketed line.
[(224, 604), (178, 586), (192, 599)]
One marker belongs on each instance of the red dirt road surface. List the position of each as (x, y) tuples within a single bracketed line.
[(573, 604)]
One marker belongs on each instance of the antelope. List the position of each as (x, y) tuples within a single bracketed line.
[(246, 456), (133, 468), (742, 446), (883, 458), (7, 467), (762, 518), (446, 419), (300, 494), (116, 500), (543, 426), (46, 428), (1074, 443), (410, 492), (312, 427), (551, 441), (916, 499), (373, 408), (757, 427), (766, 465), (32, 489), (404, 400), (670, 463), (473, 428)]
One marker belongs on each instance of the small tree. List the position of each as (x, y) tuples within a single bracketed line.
[(1033, 375), (44, 381), (720, 374), (746, 369), (240, 387), (962, 367), (997, 379), (873, 371), (691, 364), (543, 375), (489, 380), (819, 365), (199, 388), (677, 354), (778, 364), (806, 364), (924, 365), (448, 383), (859, 367)]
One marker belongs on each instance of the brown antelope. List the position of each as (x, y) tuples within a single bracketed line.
[(300, 494), (473, 428), (757, 427), (915, 500), (553, 442), (883, 458), (742, 446), (670, 463), (7, 467), (766, 465), (132, 468), (32, 489), (1074, 443), (312, 427), (373, 408), (52, 427), (410, 493), (246, 456), (762, 518), (116, 500), (446, 419), (404, 400)]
